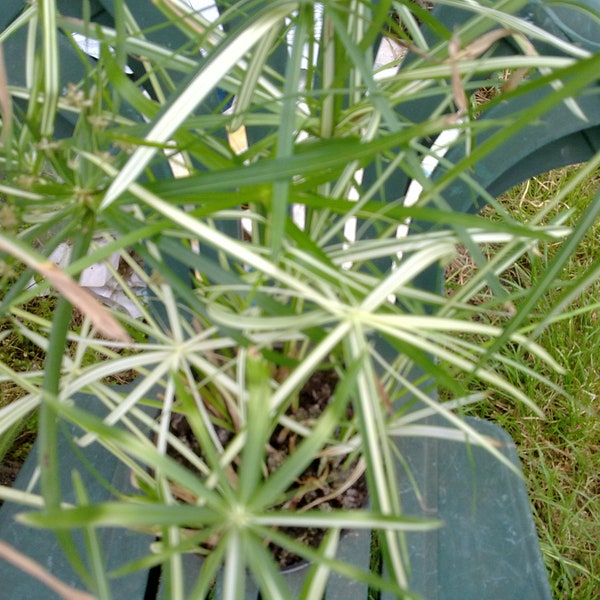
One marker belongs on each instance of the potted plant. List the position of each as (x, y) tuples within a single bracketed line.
[(253, 171)]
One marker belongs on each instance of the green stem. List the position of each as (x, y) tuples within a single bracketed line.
[(57, 342)]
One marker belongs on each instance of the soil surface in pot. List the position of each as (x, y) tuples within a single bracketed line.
[(325, 485)]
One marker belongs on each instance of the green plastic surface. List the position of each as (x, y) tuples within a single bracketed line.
[(42, 546), (488, 549)]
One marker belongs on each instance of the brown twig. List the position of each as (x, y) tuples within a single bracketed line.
[(29, 566), (5, 102)]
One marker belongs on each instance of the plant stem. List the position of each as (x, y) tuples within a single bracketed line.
[(48, 425)]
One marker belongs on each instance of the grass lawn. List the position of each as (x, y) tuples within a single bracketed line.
[(560, 453)]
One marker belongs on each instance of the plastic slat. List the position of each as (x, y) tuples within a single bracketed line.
[(488, 547), (118, 545)]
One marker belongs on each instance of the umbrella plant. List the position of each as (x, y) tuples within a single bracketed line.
[(269, 181)]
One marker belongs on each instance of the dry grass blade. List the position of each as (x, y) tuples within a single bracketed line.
[(5, 103), (79, 297), (460, 98), (473, 50), (483, 43), (13, 556)]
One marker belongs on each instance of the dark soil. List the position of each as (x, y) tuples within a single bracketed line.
[(321, 486), (11, 463), (8, 472)]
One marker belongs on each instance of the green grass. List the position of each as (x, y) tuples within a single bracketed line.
[(561, 453), (22, 355)]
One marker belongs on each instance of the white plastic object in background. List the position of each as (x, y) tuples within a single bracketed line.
[(100, 281)]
